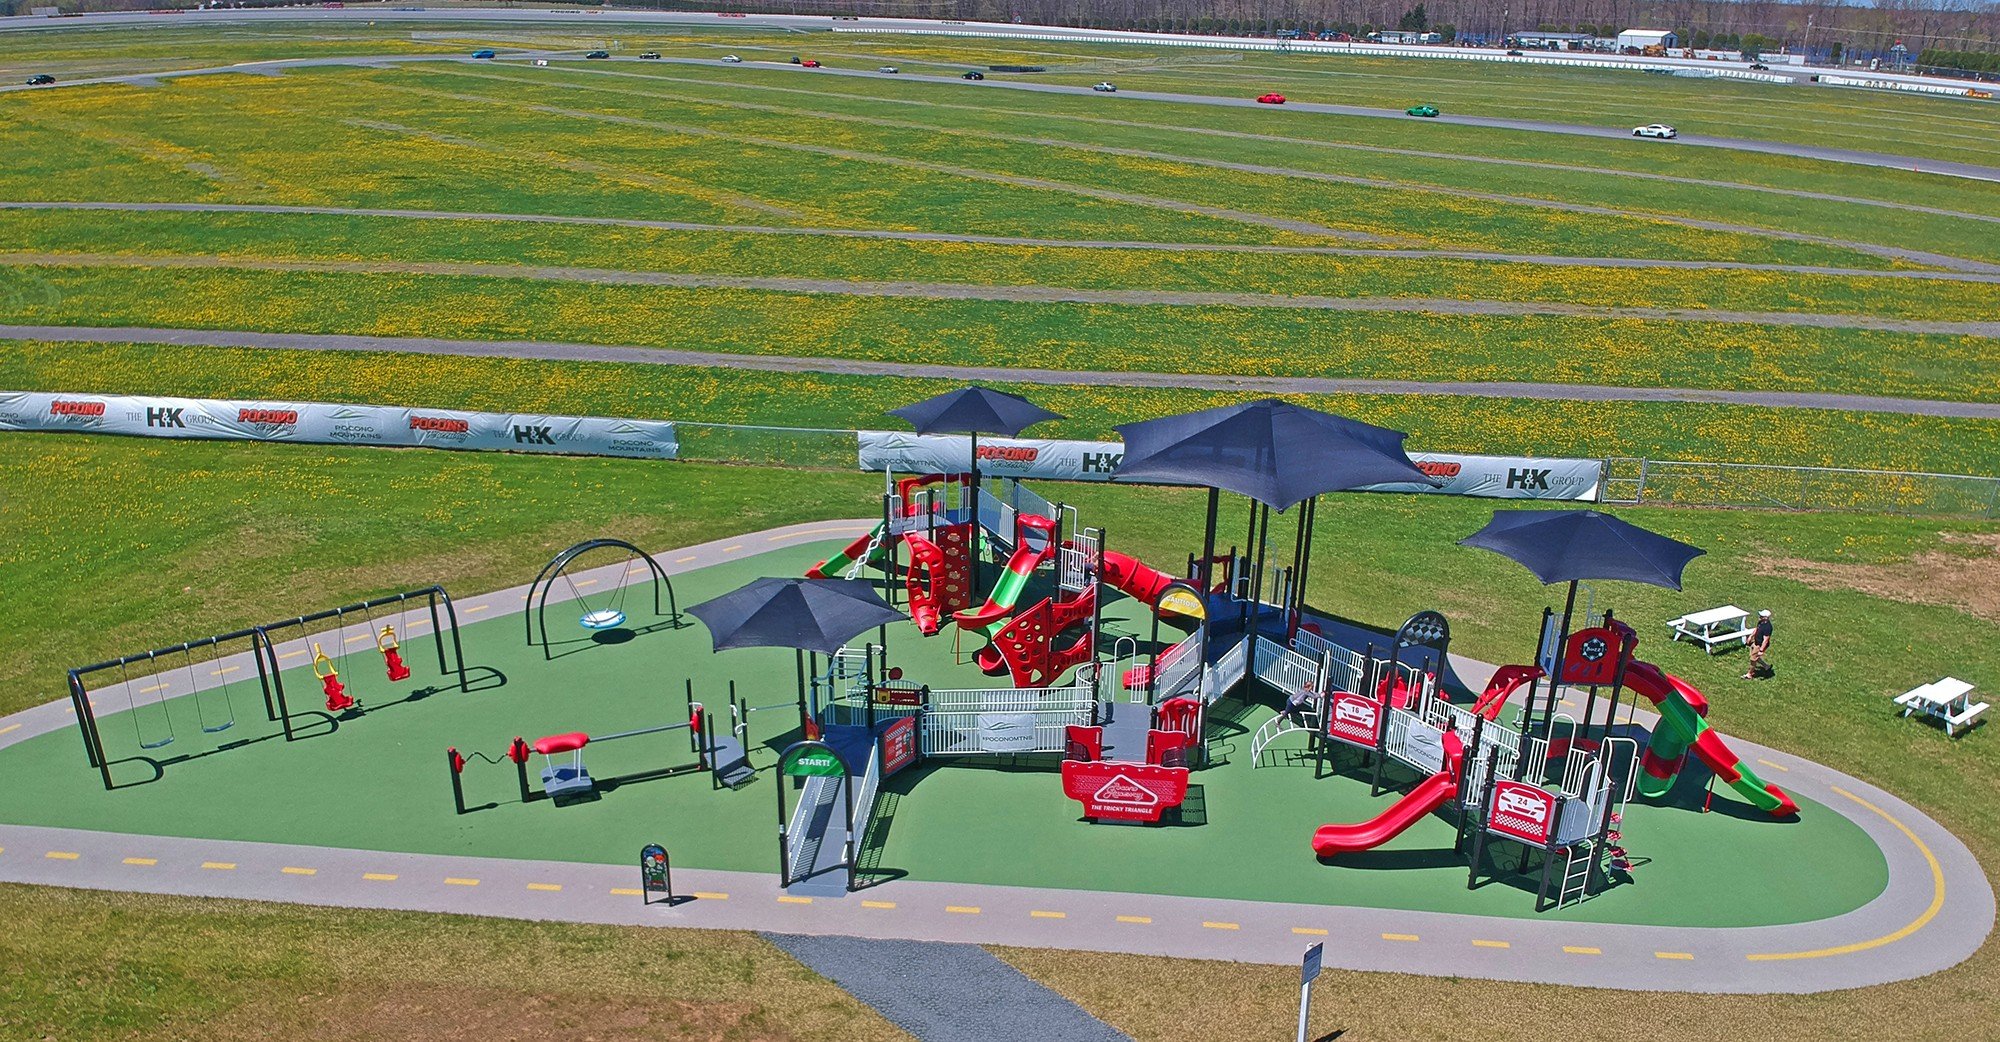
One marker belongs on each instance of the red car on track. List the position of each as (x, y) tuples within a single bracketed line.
[(809, 64), (1271, 99)]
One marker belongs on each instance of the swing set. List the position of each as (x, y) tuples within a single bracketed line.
[(386, 639), (174, 683), (605, 615), (175, 672)]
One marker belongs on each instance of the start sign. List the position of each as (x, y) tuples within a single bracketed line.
[(1112, 790), (811, 760)]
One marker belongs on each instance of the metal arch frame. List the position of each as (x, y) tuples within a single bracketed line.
[(545, 581)]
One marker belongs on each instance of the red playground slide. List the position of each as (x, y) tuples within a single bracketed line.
[(1429, 795)]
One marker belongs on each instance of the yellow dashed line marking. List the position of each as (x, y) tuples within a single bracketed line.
[(1491, 944), (300, 871), (16, 727), (477, 607), (1936, 905), (1399, 937), (807, 534), (1142, 920), (1577, 949), (358, 638), (709, 895), (878, 904), (1048, 915), (460, 881), (293, 654), (1222, 926), (150, 690), (732, 549), (220, 866), (962, 909), (1682, 956), (1309, 931), (787, 899), (684, 560), (627, 891), (142, 861), (225, 669), (379, 877), (548, 887), (62, 855), (586, 582), (1774, 766)]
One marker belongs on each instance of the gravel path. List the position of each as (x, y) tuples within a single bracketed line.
[(1936, 911), (890, 235), (570, 352), (1013, 293)]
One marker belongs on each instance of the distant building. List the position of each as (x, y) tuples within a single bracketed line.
[(1405, 36), (1553, 41), (1644, 38)]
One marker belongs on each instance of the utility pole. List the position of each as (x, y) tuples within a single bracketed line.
[(1807, 48)]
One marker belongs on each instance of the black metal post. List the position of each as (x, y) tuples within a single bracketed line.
[(1208, 543)]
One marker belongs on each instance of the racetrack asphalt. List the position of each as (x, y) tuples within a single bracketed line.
[(571, 352), (1936, 910)]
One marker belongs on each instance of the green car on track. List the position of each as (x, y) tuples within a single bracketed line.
[(1422, 110)]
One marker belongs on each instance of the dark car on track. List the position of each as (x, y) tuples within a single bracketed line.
[(482, 54), (654, 55), (41, 80), (974, 75), (598, 54)]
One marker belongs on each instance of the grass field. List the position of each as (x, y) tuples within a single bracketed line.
[(111, 545)]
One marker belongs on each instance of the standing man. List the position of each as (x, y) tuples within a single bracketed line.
[(1760, 648)]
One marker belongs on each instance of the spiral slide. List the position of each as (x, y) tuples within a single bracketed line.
[(1430, 794), (1683, 727)]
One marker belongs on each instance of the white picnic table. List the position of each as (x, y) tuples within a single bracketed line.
[(1713, 627), (1949, 700)]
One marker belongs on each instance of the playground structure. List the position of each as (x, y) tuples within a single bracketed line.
[(258, 647), (722, 754), (609, 617)]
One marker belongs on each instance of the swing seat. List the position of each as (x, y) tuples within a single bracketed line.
[(218, 728), (602, 619), (169, 740)]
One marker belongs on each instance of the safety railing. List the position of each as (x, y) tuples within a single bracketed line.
[(864, 801), (970, 721), (1178, 669)]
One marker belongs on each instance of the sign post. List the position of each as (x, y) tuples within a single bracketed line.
[(656, 874), (1308, 972)]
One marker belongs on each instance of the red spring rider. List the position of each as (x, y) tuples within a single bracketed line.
[(392, 658), (337, 700)]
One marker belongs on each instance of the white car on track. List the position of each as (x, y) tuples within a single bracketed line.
[(1105, 88), (732, 59), (1660, 130)]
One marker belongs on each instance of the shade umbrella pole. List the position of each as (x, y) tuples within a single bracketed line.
[(1562, 642), (977, 536), (1207, 571)]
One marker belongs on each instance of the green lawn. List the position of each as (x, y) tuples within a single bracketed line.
[(1203, 338), (255, 237)]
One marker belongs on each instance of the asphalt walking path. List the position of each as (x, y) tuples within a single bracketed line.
[(633, 355), (943, 992), (568, 19), (889, 235), (1936, 911), (1015, 294)]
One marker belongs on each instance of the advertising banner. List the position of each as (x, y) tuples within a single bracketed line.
[(324, 423), (899, 745), (1006, 732), (1490, 477)]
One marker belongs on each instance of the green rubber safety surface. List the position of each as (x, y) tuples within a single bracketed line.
[(380, 782)]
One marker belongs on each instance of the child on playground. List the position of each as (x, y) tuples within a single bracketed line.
[(1760, 649)]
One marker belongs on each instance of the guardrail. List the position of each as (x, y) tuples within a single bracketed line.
[(1642, 482)]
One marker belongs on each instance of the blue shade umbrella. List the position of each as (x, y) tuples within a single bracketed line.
[(819, 615), (1569, 545), (974, 411), (1277, 453)]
